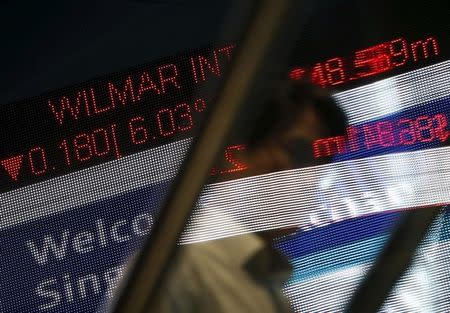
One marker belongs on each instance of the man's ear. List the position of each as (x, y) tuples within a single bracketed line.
[(307, 125), (270, 157)]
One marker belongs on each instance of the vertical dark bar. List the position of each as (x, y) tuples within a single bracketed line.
[(393, 261), (266, 41)]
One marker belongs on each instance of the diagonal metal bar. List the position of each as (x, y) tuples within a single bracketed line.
[(260, 46), (393, 261)]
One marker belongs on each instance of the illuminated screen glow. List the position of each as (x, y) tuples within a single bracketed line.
[(385, 134), (89, 195), (165, 123), (368, 62)]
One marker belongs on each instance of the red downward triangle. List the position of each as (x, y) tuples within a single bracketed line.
[(12, 166)]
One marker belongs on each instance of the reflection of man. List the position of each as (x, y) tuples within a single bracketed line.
[(244, 273)]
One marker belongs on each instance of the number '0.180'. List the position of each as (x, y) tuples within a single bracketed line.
[(101, 142)]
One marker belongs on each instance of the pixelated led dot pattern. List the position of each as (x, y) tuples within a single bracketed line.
[(311, 198)]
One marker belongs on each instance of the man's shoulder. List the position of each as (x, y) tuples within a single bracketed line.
[(218, 259), (211, 276), (232, 251)]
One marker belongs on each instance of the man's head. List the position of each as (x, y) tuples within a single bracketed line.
[(296, 115)]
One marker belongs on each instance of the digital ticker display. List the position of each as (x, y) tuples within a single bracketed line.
[(83, 170), (370, 61), (70, 128)]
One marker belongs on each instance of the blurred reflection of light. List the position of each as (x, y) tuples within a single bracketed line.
[(394, 196), (421, 278), (313, 219), (372, 202), (327, 180), (351, 206), (406, 188), (411, 302), (316, 220), (335, 216), (300, 196), (387, 99), (397, 93), (432, 254)]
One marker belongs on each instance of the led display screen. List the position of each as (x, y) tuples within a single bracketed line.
[(83, 170)]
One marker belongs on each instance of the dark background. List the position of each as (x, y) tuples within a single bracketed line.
[(52, 44)]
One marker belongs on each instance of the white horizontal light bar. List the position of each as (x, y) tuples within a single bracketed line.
[(160, 164), (317, 196), (92, 184), (423, 288), (395, 94)]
